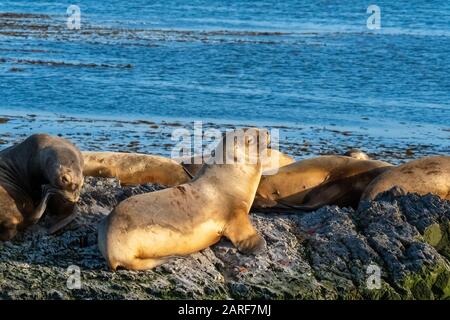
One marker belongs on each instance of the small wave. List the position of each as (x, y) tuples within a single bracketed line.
[(14, 15), (27, 50), (65, 64)]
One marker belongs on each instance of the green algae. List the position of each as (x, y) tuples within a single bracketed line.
[(429, 283), (438, 235)]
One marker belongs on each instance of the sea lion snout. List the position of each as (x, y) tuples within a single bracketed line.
[(70, 182)]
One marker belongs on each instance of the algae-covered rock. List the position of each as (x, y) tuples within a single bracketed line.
[(392, 227), (392, 248)]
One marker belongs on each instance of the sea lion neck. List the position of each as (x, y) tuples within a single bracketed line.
[(243, 178), (35, 170), (20, 172)]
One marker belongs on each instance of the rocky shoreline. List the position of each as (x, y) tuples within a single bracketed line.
[(323, 254)]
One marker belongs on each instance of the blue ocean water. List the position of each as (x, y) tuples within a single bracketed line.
[(276, 62)]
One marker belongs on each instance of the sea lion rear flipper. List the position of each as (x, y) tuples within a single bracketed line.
[(140, 264), (317, 198), (243, 235)]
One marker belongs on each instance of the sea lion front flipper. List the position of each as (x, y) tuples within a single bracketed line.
[(190, 175), (38, 213), (58, 225), (244, 236)]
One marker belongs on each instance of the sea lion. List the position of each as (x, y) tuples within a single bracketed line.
[(312, 183), (357, 154), (422, 176), (270, 163), (134, 168), (145, 230), (275, 159), (32, 172)]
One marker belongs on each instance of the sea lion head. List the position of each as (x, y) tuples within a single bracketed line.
[(63, 168), (357, 154), (243, 146)]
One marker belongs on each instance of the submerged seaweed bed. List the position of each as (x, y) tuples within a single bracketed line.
[(324, 254), (155, 136)]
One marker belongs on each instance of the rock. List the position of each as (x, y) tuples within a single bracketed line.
[(325, 254), (402, 230)]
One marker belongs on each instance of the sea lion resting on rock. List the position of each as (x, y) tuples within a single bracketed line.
[(146, 230), (39, 168), (312, 183), (134, 168), (422, 176), (274, 160)]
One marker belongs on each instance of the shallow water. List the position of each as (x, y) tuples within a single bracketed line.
[(300, 65)]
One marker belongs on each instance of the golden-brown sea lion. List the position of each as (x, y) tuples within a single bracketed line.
[(272, 161), (145, 230), (312, 183), (134, 168), (422, 176), (39, 169)]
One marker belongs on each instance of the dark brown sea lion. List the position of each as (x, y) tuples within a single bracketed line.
[(145, 230), (40, 168), (422, 176), (312, 183)]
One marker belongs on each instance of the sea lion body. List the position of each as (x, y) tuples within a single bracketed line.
[(270, 164), (319, 181), (422, 176), (134, 168), (33, 172), (146, 230)]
